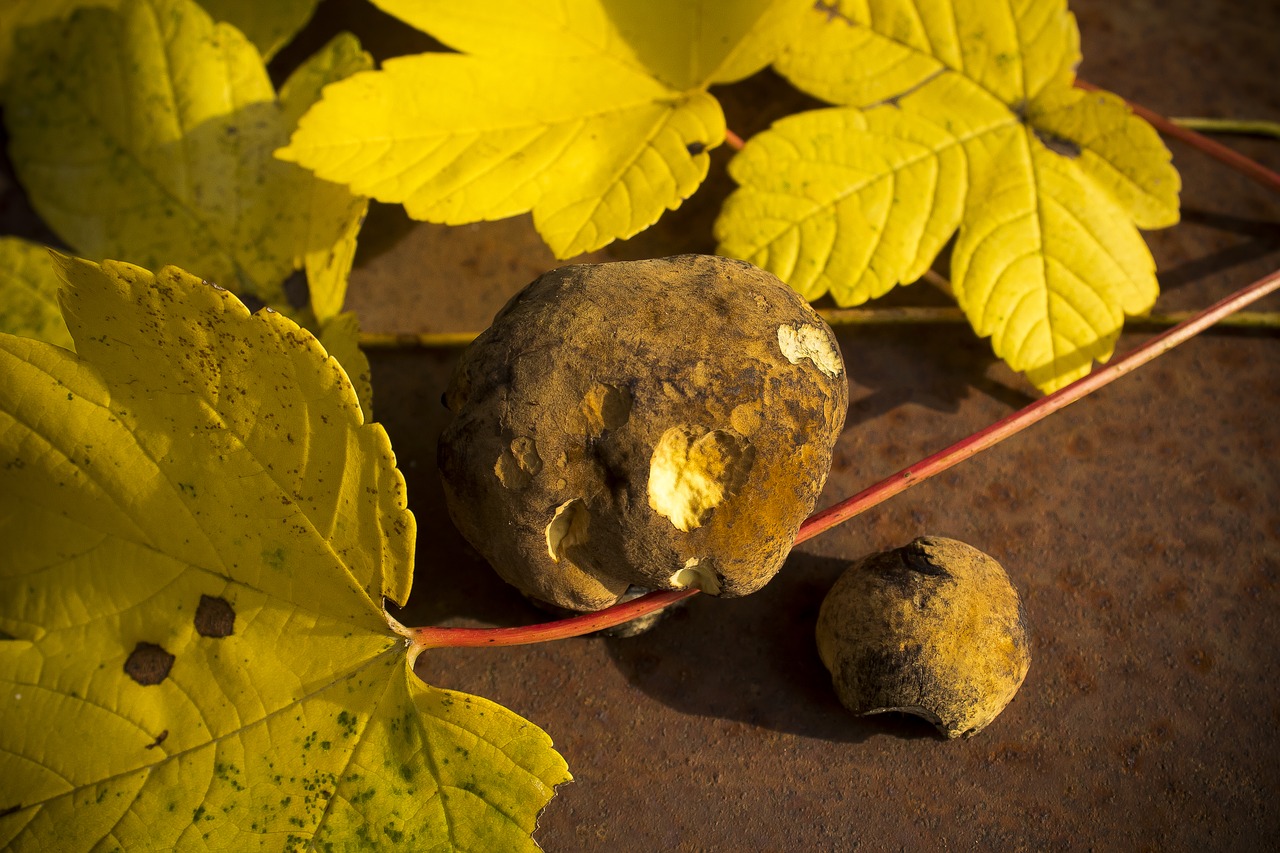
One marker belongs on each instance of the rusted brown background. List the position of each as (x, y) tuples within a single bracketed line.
[(1142, 527)]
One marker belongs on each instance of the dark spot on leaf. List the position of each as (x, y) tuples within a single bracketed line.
[(695, 148), (159, 739), (214, 617), (1058, 144), (148, 664)]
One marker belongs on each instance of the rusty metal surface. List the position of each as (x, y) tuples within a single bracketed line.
[(1142, 527)]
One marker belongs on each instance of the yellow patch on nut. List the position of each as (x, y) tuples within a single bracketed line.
[(568, 527), (800, 342), (518, 464), (605, 407), (693, 471)]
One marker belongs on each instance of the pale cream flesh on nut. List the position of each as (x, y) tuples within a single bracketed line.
[(568, 527), (696, 576), (689, 477), (801, 342)]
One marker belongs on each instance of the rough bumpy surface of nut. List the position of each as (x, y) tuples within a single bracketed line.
[(934, 628), (662, 424)]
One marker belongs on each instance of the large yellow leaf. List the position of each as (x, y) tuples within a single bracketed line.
[(593, 115), (200, 530), (29, 293), (146, 133), (959, 113)]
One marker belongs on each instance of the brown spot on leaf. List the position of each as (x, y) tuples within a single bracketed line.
[(159, 739), (1058, 144), (214, 617), (148, 664)]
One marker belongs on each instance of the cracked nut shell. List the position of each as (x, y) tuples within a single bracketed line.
[(934, 628), (663, 424)]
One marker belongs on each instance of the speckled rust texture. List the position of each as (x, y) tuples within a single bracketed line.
[(1142, 527), (636, 422)]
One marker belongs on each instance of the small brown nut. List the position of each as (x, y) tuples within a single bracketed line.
[(659, 424), (934, 628)]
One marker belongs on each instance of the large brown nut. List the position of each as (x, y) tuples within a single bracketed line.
[(662, 424), (934, 628)]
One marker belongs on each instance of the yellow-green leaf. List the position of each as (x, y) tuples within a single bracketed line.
[(146, 134), (593, 115), (200, 529), (29, 293), (268, 25), (959, 113), (16, 14)]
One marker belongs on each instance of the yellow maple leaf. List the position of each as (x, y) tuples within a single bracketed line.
[(593, 115), (200, 530), (959, 115)]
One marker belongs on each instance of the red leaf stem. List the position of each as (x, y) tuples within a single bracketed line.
[(561, 629), (1025, 417)]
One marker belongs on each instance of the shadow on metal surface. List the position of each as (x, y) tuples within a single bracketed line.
[(754, 660)]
